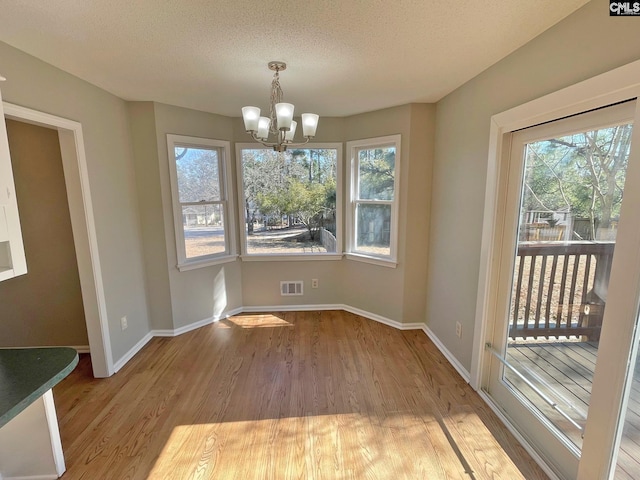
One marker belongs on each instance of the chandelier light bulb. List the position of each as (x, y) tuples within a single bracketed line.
[(263, 128), (280, 122), (284, 114), (251, 115), (309, 124), (288, 137)]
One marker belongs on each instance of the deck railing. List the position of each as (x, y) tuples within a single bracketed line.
[(560, 289)]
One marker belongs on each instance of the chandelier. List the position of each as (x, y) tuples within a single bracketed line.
[(280, 121)]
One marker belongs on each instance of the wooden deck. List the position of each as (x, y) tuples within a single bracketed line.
[(568, 367)]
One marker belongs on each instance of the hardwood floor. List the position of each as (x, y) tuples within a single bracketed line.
[(318, 395)]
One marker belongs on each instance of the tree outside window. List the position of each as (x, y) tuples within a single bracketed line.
[(290, 201), (373, 183), (201, 207)]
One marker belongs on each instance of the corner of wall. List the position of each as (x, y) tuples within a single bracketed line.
[(145, 154)]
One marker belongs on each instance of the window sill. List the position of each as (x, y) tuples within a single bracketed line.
[(291, 257), (206, 262), (359, 257)]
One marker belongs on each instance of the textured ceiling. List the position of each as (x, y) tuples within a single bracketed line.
[(343, 57)]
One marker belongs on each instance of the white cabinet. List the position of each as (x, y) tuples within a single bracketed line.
[(12, 259)]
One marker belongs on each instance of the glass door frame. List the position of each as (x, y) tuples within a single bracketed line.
[(617, 339)]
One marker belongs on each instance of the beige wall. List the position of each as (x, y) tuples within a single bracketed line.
[(198, 294), (43, 307), (585, 44), (145, 149), (373, 288), (176, 299), (37, 85), (394, 293)]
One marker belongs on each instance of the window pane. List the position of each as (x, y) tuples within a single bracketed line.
[(203, 230), (198, 175), (376, 173), (562, 265), (373, 229), (290, 201)]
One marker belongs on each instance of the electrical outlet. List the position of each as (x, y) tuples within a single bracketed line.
[(123, 323), (458, 330), (314, 283)]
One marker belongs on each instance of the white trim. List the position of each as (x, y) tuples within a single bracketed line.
[(54, 432), (311, 257), (195, 325), (381, 319), (242, 213), (615, 86), (464, 373), (32, 477), (608, 88), (381, 262), (291, 308), (171, 333), (206, 262), (266, 308), (72, 145), (352, 200), (542, 463), (334, 306), (184, 329), (9, 212), (131, 353), (223, 148)]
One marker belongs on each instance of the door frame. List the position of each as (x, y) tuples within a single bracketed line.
[(76, 177), (608, 88)]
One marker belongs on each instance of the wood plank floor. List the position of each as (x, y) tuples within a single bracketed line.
[(568, 368), (318, 395)]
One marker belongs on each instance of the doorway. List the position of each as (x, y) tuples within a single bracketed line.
[(74, 164), (553, 287), (590, 450), (43, 307)]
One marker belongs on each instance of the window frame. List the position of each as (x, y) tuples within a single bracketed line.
[(223, 148), (353, 182), (242, 216)]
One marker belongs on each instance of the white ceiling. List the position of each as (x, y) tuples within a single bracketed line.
[(343, 56)]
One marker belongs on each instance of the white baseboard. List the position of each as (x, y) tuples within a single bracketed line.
[(292, 308), (335, 306), (464, 373), (184, 329), (381, 319), (169, 333), (363, 313), (131, 353), (32, 477), (79, 349), (195, 325)]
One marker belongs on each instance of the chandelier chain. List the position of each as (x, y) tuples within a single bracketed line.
[(276, 97)]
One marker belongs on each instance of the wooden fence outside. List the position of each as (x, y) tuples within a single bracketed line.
[(328, 240)]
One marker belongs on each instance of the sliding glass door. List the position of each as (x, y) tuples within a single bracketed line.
[(562, 209)]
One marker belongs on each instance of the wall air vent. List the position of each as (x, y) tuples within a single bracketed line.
[(291, 288)]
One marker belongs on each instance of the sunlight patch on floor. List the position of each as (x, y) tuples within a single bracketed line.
[(325, 446), (259, 321)]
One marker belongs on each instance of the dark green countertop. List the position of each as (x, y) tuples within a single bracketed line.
[(27, 373)]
